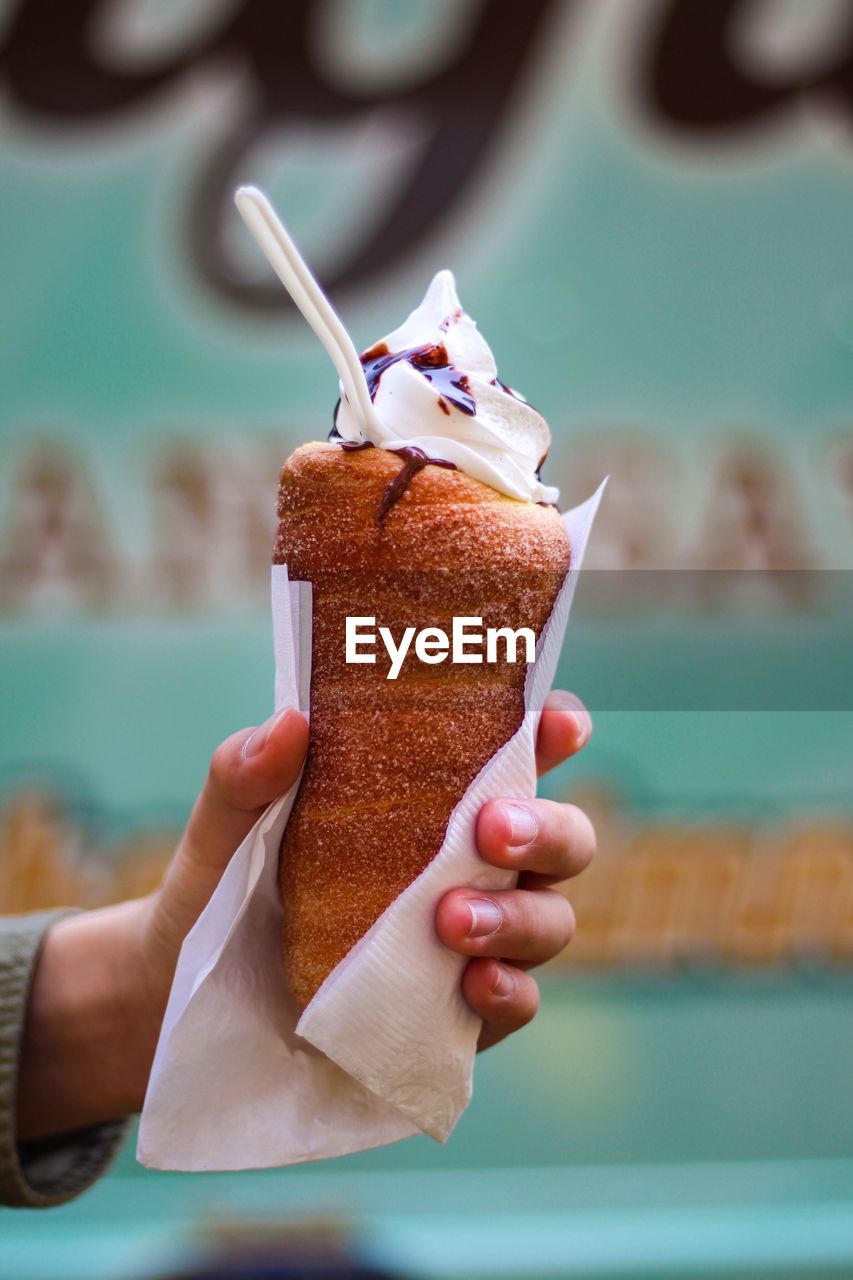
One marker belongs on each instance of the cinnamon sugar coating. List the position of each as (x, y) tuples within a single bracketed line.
[(390, 759)]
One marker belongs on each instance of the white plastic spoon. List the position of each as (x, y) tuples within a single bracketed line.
[(294, 273)]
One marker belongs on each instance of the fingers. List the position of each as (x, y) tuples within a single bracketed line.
[(248, 771), (527, 925), (554, 841), (564, 727), (505, 998), (254, 766), (547, 842)]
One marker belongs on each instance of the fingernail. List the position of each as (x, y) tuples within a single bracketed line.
[(256, 741), (504, 981), (486, 917), (583, 727), (522, 824)]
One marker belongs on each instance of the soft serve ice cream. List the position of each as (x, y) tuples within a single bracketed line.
[(434, 387)]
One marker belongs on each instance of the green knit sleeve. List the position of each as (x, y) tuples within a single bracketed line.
[(37, 1175)]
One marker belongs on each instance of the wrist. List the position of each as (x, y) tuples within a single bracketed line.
[(90, 1032)]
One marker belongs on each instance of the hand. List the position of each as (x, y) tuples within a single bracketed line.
[(103, 978), (546, 843)]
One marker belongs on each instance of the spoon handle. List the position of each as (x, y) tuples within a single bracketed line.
[(290, 267)]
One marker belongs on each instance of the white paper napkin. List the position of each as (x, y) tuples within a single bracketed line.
[(386, 1047)]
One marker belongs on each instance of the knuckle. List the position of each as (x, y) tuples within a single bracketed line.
[(528, 1003), (549, 924), (558, 923), (581, 838), (569, 922), (223, 775), (524, 919), (219, 771)]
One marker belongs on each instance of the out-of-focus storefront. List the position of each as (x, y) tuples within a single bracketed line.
[(647, 203)]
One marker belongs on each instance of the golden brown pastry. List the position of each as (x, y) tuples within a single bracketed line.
[(390, 759)]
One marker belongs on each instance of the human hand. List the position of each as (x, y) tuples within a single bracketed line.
[(508, 932), (103, 978), (532, 924), (252, 768)]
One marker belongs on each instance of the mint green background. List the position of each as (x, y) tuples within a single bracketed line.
[(625, 284)]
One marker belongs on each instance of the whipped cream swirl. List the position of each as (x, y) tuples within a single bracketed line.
[(434, 385)]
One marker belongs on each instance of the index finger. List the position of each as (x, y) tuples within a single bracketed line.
[(564, 727)]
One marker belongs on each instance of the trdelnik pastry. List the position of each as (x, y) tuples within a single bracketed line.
[(421, 536), (426, 509)]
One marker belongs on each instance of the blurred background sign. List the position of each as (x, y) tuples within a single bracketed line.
[(647, 204)]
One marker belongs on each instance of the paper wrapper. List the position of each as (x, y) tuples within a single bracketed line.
[(386, 1048)]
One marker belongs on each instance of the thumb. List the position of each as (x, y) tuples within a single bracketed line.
[(247, 772)]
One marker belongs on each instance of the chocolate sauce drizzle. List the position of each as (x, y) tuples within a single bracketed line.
[(433, 362), (414, 460)]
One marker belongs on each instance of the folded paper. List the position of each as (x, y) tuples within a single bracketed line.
[(386, 1047)]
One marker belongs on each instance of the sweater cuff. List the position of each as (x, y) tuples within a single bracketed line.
[(50, 1171)]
